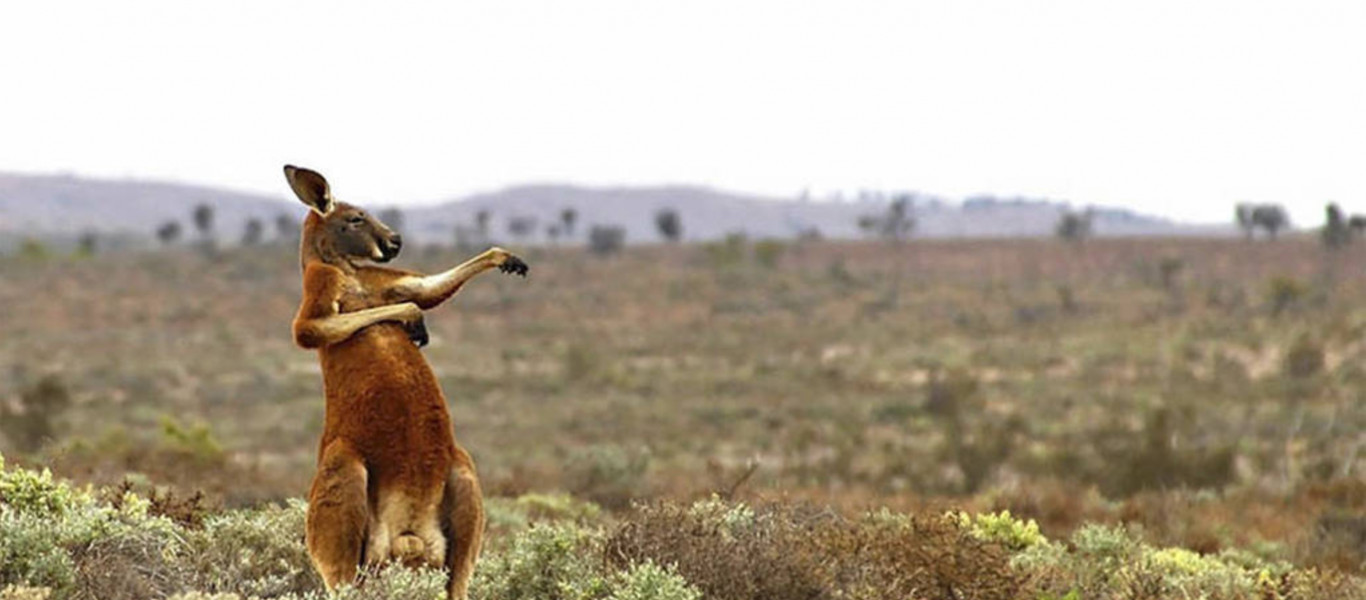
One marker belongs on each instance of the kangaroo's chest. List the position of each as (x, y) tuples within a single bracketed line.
[(355, 295)]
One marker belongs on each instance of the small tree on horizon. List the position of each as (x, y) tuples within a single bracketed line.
[(203, 219), (1271, 217), (168, 233), (894, 225), (521, 227), (568, 216), (1243, 214), (88, 243), (252, 232), (605, 240), (669, 224), (286, 228), (1075, 226), (1336, 232)]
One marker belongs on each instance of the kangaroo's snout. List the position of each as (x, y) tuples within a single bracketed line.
[(390, 246)]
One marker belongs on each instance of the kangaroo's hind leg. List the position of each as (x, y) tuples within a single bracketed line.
[(463, 510), (338, 514)]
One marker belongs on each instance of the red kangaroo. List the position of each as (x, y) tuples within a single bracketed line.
[(392, 483)]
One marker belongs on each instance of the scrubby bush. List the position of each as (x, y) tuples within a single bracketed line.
[(544, 562), (609, 475), (648, 581), (734, 551), (59, 537), (17, 592), (1001, 528), (557, 507), (393, 582), (1304, 358), (606, 240), (34, 419), (252, 552), (1284, 293), (768, 251)]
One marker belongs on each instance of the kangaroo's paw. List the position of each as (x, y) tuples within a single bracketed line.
[(515, 266), (417, 332)]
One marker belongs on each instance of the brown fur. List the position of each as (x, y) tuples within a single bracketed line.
[(392, 483)]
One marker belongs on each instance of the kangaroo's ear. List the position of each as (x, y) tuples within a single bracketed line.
[(311, 188)]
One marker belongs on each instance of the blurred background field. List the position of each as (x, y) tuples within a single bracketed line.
[(1204, 389)]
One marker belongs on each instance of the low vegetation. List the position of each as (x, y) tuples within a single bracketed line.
[(59, 541)]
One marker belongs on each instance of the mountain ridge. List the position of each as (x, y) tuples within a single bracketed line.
[(64, 204)]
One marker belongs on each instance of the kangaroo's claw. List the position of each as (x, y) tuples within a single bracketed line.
[(417, 333), (515, 266)]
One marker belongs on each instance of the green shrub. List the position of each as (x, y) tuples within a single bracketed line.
[(393, 582), (30, 555), (768, 252), (55, 536), (737, 551), (253, 553), (38, 493), (1304, 358), (34, 420), (15, 592), (1284, 293), (609, 475), (648, 581), (557, 507), (204, 596), (195, 441), (544, 562), (1001, 528)]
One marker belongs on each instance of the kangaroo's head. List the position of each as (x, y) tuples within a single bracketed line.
[(335, 232)]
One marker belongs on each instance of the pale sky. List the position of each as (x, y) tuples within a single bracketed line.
[(1178, 108)]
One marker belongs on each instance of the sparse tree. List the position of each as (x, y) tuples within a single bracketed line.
[(286, 228), (900, 219), (481, 223), (521, 227), (568, 216), (87, 244), (604, 240), (1075, 226), (203, 220), (1357, 224), (552, 233), (1243, 213), (669, 224), (896, 224), (1271, 217), (1335, 233), (252, 232), (868, 224), (168, 233)]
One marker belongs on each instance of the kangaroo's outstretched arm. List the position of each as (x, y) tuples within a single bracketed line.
[(429, 291), (319, 322)]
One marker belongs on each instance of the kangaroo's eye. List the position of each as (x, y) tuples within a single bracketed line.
[(356, 220)]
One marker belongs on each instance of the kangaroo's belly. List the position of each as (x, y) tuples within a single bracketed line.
[(383, 398)]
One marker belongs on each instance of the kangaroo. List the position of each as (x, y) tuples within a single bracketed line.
[(391, 481)]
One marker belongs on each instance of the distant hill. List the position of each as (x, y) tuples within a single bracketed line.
[(60, 205), (710, 214)]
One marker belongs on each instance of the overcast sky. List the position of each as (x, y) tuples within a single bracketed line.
[(1176, 108)]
